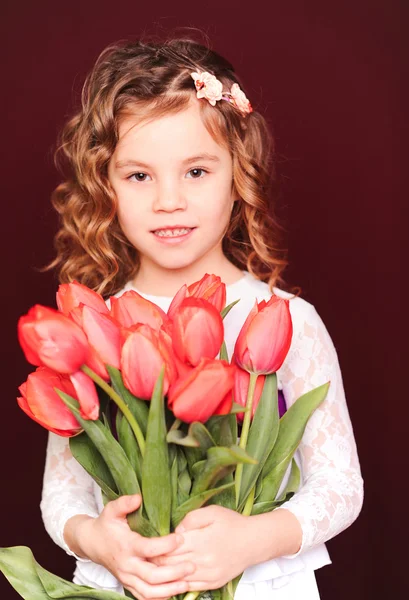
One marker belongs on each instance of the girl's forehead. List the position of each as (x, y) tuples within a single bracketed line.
[(184, 129)]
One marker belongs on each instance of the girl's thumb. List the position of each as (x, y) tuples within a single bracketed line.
[(124, 505)]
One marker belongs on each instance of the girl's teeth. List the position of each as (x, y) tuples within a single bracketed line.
[(171, 232)]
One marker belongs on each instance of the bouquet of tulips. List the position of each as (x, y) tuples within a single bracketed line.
[(151, 405)]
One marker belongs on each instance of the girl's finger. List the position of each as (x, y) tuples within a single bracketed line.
[(155, 575), (156, 591), (170, 560), (149, 547)]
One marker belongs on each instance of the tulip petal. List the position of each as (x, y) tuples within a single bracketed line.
[(103, 334), (86, 394), (71, 295)]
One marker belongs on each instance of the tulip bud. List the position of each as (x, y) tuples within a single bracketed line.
[(205, 391), (209, 288), (132, 308), (42, 404), (197, 331), (144, 352), (265, 338), (51, 339), (71, 295)]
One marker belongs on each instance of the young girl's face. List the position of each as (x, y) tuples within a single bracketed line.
[(173, 183)]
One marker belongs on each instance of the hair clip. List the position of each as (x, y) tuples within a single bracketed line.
[(209, 87)]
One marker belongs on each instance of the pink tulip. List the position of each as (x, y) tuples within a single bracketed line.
[(265, 338), (131, 308), (42, 404), (197, 331), (241, 386), (71, 295), (205, 391), (49, 338), (144, 352), (209, 288)]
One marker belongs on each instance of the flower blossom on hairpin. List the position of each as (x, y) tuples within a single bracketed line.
[(209, 87), (240, 99)]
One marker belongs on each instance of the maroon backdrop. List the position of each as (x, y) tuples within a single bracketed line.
[(328, 76)]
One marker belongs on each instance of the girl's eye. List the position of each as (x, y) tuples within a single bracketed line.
[(139, 177), (196, 173)]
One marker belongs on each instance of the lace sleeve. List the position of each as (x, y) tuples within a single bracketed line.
[(331, 495), (68, 490)]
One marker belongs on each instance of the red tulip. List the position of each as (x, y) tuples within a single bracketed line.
[(197, 331), (131, 308), (205, 391), (49, 338), (265, 338), (71, 295), (42, 404), (104, 338), (144, 353), (210, 288), (241, 386), (86, 394)]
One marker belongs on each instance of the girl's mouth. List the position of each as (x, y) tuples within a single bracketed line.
[(174, 232), (174, 235)]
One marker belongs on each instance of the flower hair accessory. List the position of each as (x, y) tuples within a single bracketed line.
[(209, 87)]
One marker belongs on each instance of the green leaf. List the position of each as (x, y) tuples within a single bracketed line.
[(111, 451), (184, 484), (128, 442), (228, 308), (174, 475), (292, 427), (195, 502), (218, 464), (262, 436), (293, 482), (156, 484), (175, 436), (116, 461), (221, 429), (139, 408), (238, 408), (199, 432), (223, 355), (105, 421), (85, 452), (33, 582)]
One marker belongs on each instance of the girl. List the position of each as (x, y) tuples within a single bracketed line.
[(169, 175)]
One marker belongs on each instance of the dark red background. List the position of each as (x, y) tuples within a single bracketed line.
[(330, 78)]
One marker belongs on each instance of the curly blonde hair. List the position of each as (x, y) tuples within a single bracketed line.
[(152, 79)]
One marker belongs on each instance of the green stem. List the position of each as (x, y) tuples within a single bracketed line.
[(248, 507), (121, 405), (245, 430), (175, 425), (191, 595)]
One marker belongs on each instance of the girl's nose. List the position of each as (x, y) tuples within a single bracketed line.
[(169, 198)]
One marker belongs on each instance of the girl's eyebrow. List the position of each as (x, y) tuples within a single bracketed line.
[(137, 163)]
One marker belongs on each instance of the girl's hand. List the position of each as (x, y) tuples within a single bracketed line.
[(108, 541), (219, 541)]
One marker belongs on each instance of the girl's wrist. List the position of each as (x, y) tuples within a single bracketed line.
[(75, 534), (277, 533)]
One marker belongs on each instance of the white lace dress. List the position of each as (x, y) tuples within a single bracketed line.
[(330, 496)]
